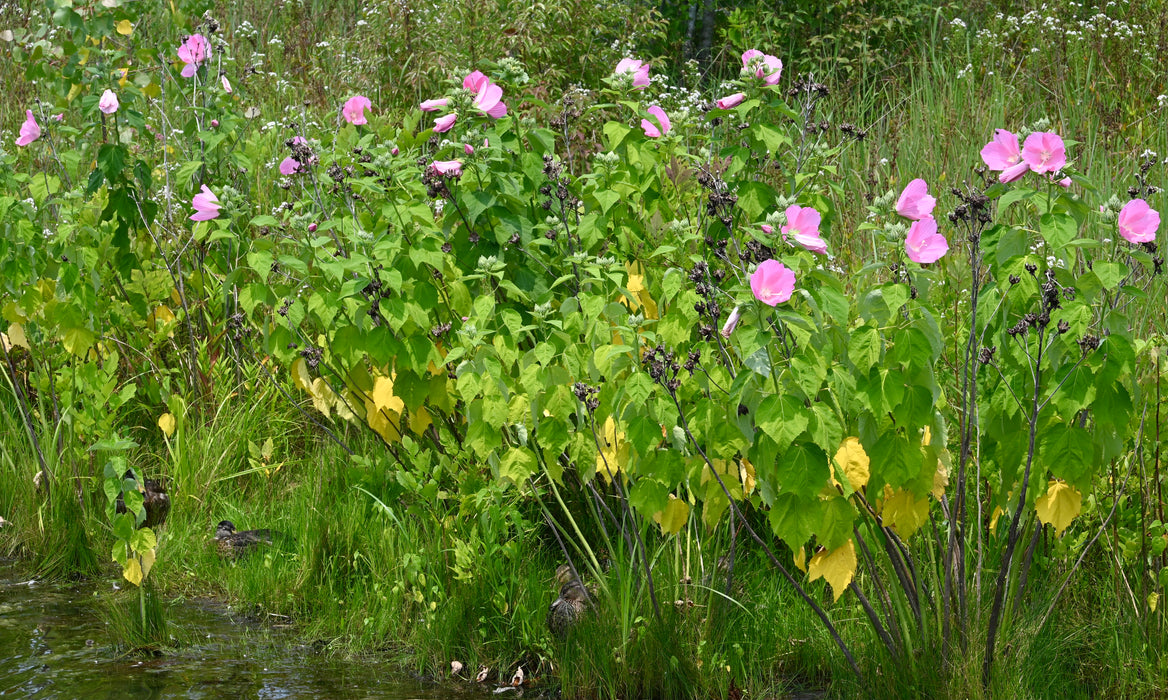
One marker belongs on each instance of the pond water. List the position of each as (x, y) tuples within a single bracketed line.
[(54, 644)]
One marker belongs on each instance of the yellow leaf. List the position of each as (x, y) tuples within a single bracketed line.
[(420, 420), (903, 512), (746, 471), (343, 409), (800, 558), (674, 517), (636, 286), (386, 422), (944, 460), (853, 461), (636, 277), (323, 397), (383, 396), (125, 28), (940, 480), (148, 558), (300, 376), (1153, 600), (614, 452), (133, 571), (161, 316), (17, 337), (836, 566), (994, 518), (166, 423), (1059, 505), (649, 304)]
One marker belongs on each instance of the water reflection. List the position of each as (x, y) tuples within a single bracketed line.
[(54, 645)]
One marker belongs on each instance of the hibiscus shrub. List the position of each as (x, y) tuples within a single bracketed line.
[(672, 322)]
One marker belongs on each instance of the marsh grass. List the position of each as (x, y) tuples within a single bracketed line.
[(357, 578), (137, 625)]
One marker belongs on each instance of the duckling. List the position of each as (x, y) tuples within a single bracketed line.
[(234, 545), (154, 500)]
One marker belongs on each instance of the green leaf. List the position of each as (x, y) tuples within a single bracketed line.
[(803, 470), (518, 464), (793, 519), (754, 198), (772, 138), (893, 461), (123, 526), (42, 186), (1110, 274), (864, 348), (143, 540), (895, 296), (783, 418), (838, 516), (1013, 242), (111, 159), (1068, 452), (916, 408), (615, 132), (649, 496), (638, 388), (1058, 229), (1017, 195), (606, 199)]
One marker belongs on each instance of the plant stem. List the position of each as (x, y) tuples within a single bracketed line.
[(1012, 540), (767, 550)]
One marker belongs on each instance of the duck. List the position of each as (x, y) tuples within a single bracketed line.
[(154, 499), (573, 601), (234, 544)]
